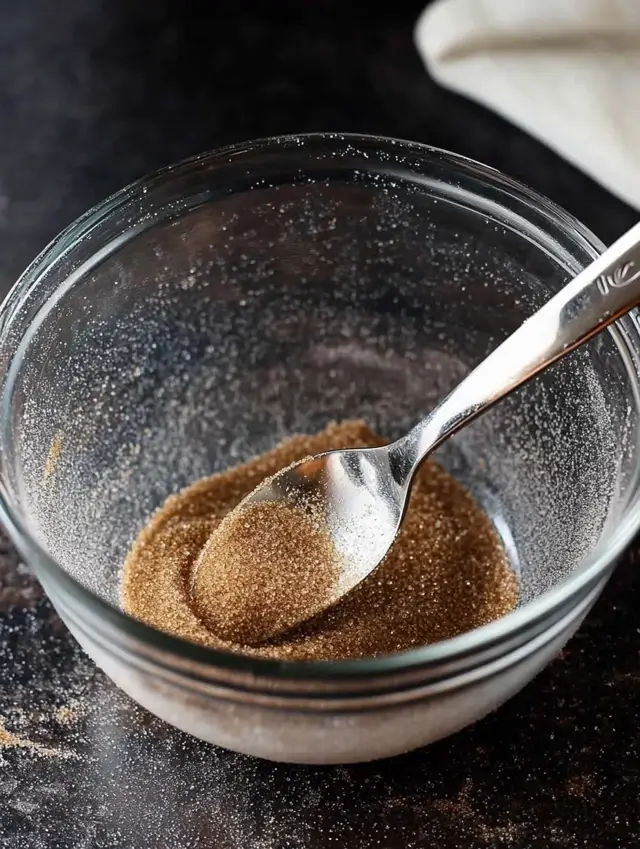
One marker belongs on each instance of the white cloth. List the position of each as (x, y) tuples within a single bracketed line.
[(567, 71)]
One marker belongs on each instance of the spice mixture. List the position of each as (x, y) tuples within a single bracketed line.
[(266, 567), (446, 573)]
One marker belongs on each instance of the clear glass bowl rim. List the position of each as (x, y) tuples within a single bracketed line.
[(520, 620)]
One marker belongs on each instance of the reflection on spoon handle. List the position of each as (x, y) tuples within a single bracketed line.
[(604, 291)]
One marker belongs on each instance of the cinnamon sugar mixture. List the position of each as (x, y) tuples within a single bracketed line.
[(446, 573), (266, 567)]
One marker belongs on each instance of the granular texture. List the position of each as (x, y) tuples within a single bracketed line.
[(9, 740), (268, 566), (446, 573)]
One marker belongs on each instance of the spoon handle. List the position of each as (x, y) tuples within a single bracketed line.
[(607, 289)]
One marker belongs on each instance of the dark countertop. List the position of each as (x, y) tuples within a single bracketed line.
[(93, 95)]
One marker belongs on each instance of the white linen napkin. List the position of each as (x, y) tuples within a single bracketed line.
[(567, 71)]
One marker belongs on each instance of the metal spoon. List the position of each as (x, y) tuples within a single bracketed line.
[(364, 492)]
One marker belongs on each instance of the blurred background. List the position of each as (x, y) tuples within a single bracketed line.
[(95, 94)]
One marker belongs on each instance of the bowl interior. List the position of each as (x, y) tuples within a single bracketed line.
[(210, 333)]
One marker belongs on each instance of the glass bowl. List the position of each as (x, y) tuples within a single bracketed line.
[(205, 313)]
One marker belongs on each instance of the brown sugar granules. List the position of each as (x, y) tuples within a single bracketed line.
[(9, 740), (266, 567), (446, 573)]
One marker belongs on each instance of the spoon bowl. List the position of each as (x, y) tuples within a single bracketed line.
[(361, 501)]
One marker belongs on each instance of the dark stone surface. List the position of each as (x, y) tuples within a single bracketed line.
[(93, 95)]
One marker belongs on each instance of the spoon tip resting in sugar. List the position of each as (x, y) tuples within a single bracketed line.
[(268, 566), (294, 547)]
